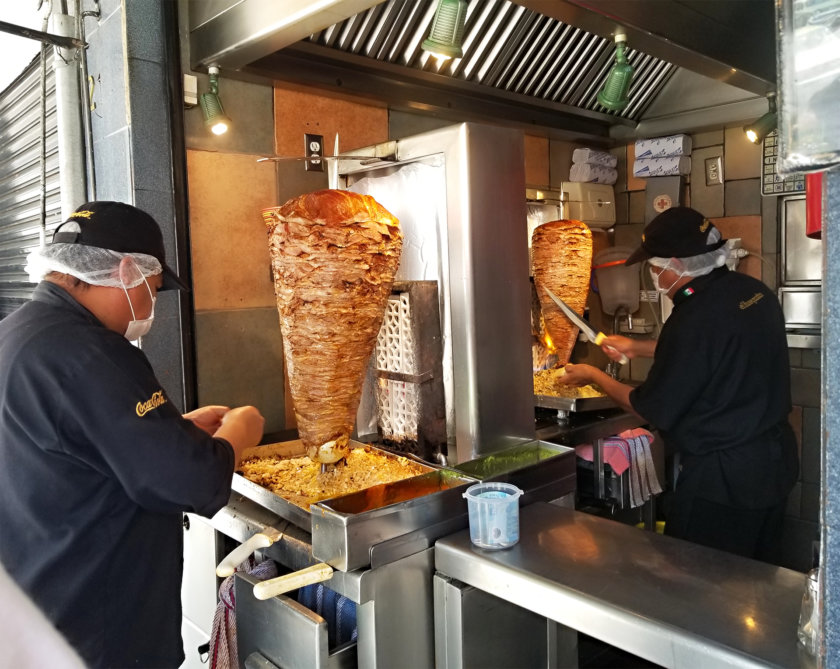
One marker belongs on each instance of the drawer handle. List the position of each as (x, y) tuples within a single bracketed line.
[(297, 579)]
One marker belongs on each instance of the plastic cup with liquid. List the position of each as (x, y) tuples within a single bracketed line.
[(494, 514)]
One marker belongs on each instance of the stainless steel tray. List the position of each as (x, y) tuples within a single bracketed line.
[(574, 404), (347, 530), (277, 504), (542, 470)]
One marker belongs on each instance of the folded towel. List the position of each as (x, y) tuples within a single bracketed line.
[(629, 450), (643, 480), (594, 157), (589, 173), (661, 167), (223, 649), (659, 147)]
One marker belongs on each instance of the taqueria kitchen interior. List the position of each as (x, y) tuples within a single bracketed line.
[(472, 155)]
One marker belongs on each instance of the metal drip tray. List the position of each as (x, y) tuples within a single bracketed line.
[(544, 471), (573, 404), (377, 524)]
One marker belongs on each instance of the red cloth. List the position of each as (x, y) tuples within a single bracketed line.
[(616, 453), (223, 649), (629, 450)]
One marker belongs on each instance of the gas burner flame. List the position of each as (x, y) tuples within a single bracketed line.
[(549, 345)]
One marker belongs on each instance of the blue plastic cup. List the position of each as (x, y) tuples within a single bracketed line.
[(494, 514)]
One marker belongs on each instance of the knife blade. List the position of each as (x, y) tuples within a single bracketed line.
[(592, 334)]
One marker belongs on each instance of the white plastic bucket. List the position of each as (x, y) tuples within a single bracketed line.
[(494, 514), (618, 284)]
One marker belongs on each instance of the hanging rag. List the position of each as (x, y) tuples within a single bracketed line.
[(223, 650), (614, 451), (643, 480), (629, 450)]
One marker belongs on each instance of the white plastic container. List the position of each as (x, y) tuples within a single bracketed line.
[(494, 514), (594, 204), (618, 284)]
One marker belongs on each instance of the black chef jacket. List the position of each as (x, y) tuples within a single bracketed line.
[(96, 467), (719, 391)]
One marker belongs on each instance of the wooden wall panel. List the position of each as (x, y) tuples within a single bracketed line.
[(230, 262), (297, 113)]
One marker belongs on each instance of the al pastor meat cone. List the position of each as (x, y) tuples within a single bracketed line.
[(562, 258), (334, 255)]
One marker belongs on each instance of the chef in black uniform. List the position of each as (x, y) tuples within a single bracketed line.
[(97, 465), (718, 390)]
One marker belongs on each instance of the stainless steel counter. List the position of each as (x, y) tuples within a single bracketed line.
[(668, 601)]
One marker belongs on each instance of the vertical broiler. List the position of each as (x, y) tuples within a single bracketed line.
[(449, 374)]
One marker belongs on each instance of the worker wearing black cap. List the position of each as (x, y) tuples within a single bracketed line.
[(718, 390), (97, 465)]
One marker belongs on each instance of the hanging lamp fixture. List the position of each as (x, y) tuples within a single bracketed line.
[(447, 33), (614, 94), (215, 118), (758, 130)]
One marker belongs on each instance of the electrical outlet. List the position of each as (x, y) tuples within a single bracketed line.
[(314, 152)]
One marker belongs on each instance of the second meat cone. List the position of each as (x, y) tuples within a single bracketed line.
[(562, 260), (334, 255)]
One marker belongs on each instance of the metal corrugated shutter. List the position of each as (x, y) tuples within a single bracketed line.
[(20, 178)]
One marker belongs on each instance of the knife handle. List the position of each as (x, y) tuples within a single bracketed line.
[(623, 360)]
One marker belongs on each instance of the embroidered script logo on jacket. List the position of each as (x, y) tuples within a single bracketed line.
[(748, 303), (150, 404)]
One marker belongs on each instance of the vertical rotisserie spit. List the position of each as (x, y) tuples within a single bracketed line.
[(334, 255), (562, 260)]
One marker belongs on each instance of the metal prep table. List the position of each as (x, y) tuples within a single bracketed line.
[(671, 602)]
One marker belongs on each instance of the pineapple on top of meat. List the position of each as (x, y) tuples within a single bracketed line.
[(334, 255)]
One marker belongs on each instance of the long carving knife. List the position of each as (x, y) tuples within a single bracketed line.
[(592, 334)]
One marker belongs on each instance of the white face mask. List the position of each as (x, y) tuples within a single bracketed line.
[(139, 327), (655, 276)]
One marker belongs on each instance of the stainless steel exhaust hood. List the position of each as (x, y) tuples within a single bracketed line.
[(533, 63)]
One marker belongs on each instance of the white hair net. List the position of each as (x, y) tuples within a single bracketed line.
[(91, 264), (694, 265)]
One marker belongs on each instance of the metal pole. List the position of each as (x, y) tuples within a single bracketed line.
[(71, 148), (85, 87)]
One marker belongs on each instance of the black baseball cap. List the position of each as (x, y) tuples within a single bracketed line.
[(119, 227), (678, 232)]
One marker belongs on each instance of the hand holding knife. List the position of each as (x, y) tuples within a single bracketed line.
[(594, 335)]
